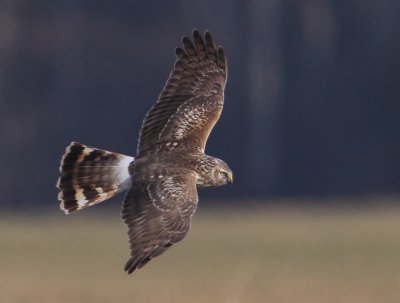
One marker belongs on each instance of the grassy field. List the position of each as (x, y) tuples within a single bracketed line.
[(258, 255)]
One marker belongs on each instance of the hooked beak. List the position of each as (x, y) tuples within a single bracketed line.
[(230, 179)]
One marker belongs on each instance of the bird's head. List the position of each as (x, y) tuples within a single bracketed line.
[(222, 174)]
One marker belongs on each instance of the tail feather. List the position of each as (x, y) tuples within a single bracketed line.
[(90, 175)]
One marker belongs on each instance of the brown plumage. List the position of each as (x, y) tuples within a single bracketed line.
[(170, 164)]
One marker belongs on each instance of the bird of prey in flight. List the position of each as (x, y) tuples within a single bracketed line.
[(170, 163)]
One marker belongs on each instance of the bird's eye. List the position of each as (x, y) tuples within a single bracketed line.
[(224, 174)]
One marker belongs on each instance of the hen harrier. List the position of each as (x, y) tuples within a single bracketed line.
[(170, 163)]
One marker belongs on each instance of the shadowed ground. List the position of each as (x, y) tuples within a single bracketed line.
[(262, 255)]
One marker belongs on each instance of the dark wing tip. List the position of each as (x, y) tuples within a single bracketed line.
[(201, 48), (208, 35), (196, 32), (136, 263), (128, 266), (211, 51), (180, 53), (131, 265), (196, 35), (221, 58), (200, 44), (190, 49)]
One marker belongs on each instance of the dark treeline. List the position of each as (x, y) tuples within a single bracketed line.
[(312, 102)]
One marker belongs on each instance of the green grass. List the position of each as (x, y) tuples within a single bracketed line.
[(258, 255)]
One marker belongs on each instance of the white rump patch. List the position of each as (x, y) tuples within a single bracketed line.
[(124, 178)]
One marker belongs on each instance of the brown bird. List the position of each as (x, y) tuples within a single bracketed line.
[(170, 163)]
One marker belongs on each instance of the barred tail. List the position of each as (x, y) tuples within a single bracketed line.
[(90, 175)]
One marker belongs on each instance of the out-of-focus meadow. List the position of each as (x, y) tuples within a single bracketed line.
[(281, 255)]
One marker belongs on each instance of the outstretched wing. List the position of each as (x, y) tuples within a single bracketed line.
[(194, 93), (158, 214)]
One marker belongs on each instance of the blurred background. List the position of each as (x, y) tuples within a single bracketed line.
[(312, 99), (311, 117)]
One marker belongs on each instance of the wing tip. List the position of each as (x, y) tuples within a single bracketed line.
[(180, 53), (221, 58), (201, 47), (196, 32), (136, 263)]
